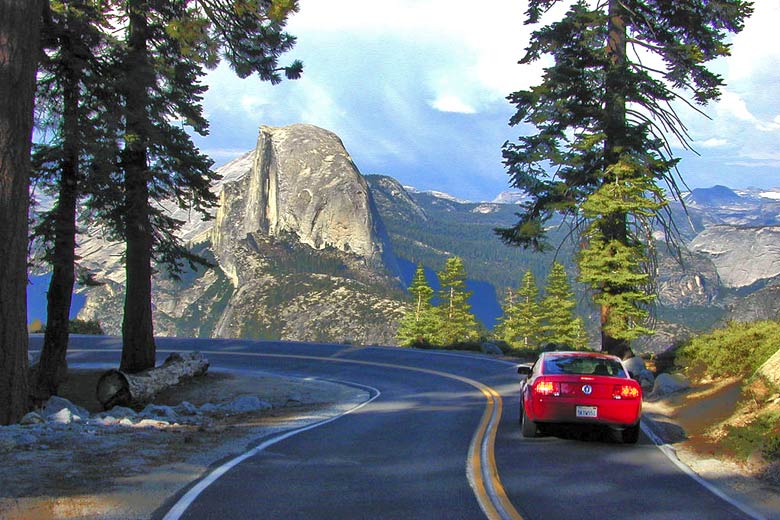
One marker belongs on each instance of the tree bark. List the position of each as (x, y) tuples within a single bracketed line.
[(138, 348), (20, 22), (53, 366), (614, 226), (117, 388)]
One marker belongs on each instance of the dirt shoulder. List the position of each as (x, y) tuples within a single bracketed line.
[(688, 423), (80, 472)]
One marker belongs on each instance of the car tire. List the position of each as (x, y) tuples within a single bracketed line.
[(527, 426), (630, 435)]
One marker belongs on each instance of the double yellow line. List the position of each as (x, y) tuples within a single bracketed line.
[(481, 461)]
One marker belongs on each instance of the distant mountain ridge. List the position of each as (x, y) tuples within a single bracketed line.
[(306, 248)]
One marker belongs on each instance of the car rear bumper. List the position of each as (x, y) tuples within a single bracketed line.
[(611, 412)]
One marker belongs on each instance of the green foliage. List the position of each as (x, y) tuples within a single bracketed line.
[(86, 327), (456, 322), (420, 325), (449, 324), (560, 324), (738, 349), (762, 434), (599, 154), (520, 326)]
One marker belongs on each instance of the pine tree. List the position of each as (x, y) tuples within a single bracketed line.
[(457, 323), (166, 47), (20, 22), (419, 325), (505, 329), (75, 106), (560, 324), (602, 121), (528, 332)]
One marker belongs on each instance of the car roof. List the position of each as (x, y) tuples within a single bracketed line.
[(580, 353)]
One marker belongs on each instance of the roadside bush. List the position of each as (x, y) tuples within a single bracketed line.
[(86, 327), (761, 434), (735, 350)]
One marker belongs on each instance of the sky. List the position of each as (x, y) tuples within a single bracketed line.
[(416, 89)]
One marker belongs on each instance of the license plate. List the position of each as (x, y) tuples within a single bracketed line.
[(587, 411)]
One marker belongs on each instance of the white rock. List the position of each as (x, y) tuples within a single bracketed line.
[(64, 416), (55, 404), (245, 404), (669, 383), (32, 418), (151, 423)]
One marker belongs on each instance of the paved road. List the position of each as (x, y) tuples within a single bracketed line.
[(423, 448)]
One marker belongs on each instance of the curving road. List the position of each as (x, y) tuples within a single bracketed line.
[(439, 439)]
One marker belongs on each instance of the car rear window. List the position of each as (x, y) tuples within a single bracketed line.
[(582, 365)]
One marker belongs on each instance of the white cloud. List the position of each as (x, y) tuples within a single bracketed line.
[(713, 143), (733, 105), (451, 103), (752, 52)]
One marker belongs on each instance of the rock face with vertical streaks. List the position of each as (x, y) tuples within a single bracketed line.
[(300, 253)]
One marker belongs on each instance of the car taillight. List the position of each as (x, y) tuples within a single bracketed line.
[(547, 388), (625, 392)]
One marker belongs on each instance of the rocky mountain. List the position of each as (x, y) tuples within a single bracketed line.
[(727, 268), (306, 248), (299, 249)]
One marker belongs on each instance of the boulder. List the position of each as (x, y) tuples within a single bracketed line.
[(771, 369), (56, 404), (245, 404), (666, 384), (638, 370), (32, 418)]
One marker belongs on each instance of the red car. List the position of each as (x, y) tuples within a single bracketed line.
[(580, 388)]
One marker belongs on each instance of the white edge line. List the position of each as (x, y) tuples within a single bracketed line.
[(672, 456), (188, 498)]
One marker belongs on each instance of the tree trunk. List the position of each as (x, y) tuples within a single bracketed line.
[(20, 22), (138, 348), (117, 388), (53, 366), (614, 226)]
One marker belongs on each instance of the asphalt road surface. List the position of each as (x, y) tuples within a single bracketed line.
[(439, 439)]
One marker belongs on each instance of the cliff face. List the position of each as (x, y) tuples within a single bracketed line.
[(742, 255), (299, 249)]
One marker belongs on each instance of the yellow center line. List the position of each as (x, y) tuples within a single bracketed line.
[(493, 502)]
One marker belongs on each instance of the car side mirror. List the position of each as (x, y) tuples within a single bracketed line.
[(524, 370)]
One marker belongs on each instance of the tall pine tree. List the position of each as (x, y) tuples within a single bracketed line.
[(166, 47), (521, 323), (75, 104), (602, 117), (420, 324), (20, 23), (457, 323), (560, 323)]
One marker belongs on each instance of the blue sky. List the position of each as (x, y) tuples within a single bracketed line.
[(416, 89)]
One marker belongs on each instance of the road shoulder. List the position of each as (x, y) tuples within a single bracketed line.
[(668, 421), (80, 472)]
